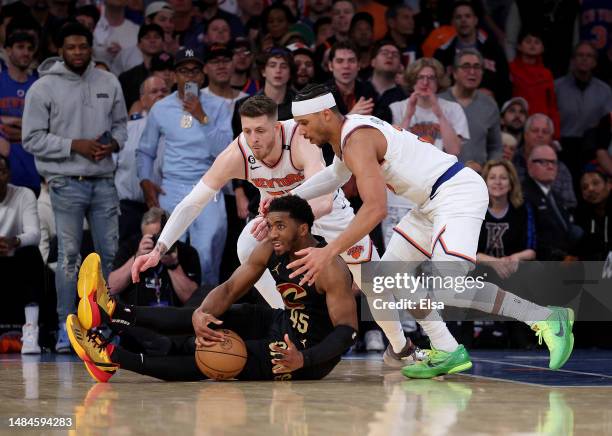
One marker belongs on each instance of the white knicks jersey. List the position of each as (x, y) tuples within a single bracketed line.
[(283, 176), (411, 165)]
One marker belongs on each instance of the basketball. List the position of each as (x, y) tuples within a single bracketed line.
[(223, 360)]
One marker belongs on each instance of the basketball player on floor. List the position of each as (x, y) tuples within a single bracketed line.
[(303, 341), (444, 226), (275, 159)]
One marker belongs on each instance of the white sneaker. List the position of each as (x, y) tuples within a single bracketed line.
[(408, 356), (30, 339), (374, 340)]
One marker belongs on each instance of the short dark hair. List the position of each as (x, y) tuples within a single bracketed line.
[(392, 11), (361, 16), (88, 11), (380, 44), (257, 106), (467, 3), (280, 7), (73, 29), (321, 22), (276, 52), (146, 28), (342, 45), (530, 31), (16, 37), (313, 90), (297, 207)]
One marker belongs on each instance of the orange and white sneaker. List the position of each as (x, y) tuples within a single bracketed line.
[(92, 349), (93, 293)]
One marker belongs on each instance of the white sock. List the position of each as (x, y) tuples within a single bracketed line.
[(267, 288), (388, 321), (31, 314), (435, 328), (515, 307)]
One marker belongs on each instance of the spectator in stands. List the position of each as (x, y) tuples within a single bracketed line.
[(171, 283), (304, 60), (400, 22), (377, 11), (15, 80), (341, 15), (74, 118), (150, 44), (21, 265), (439, 121), (508, 231), (114, 32), (323, 30), (210, 9), (539, 130), (351, 94), (249, 11), (531, 79), (187, 26), (513, 116), (242, 77), (131, 199), (481, 110), (495, 75), (277, 67), (510, 145), (162, 14), (275, 22), (386, 64), (583, 100), (556, 235), (194, 137), (595, 215), (361, 35), (162, 66), (316, 9), (218, 67), (88, 16), (218, 31)]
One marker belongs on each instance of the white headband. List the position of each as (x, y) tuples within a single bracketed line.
[(317, 104)]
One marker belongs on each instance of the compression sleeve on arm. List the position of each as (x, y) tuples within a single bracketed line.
[(185, 212), (324, 182), (334, 345)]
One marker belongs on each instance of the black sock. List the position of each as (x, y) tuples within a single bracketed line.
[(123, 316), (127, 360)]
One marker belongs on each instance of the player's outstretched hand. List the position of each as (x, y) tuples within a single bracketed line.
[(260, 228), (143, 263), (205, 336), (310, 263), (287, 360), (264, 205)]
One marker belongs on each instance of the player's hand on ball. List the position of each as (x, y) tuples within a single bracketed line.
[(287, 360), (310, 263), (205, 336), (143, 263), (260, 228)]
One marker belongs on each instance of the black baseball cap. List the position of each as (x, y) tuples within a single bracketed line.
[(187, 55), (217, 51), (162, 61)]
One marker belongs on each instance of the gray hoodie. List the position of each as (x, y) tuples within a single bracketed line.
[(62, 106)]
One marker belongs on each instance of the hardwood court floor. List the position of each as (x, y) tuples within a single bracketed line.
[(505, 394)]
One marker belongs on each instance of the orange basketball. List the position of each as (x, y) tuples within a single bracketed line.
[(223, 360)]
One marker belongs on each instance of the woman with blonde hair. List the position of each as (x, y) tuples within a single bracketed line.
[(439, 121), (507, 235)]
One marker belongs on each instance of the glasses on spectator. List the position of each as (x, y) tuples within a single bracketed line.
[(189, 71), (467, 67), (424, 77), (390, 54), (544, 162), (242, 51)]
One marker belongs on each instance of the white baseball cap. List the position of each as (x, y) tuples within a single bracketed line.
[(155, 7)]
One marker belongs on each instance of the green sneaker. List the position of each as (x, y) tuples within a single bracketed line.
[(439, 363), (557, 333)]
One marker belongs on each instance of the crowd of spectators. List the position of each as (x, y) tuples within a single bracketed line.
[(111, 110)]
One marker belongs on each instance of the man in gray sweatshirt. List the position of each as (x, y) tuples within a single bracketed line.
[(74, 119)]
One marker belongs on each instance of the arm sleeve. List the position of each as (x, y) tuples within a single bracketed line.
[(325, 181), (31, 225), (35, 130), (147, 148), (334, 345), (185, 212)]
